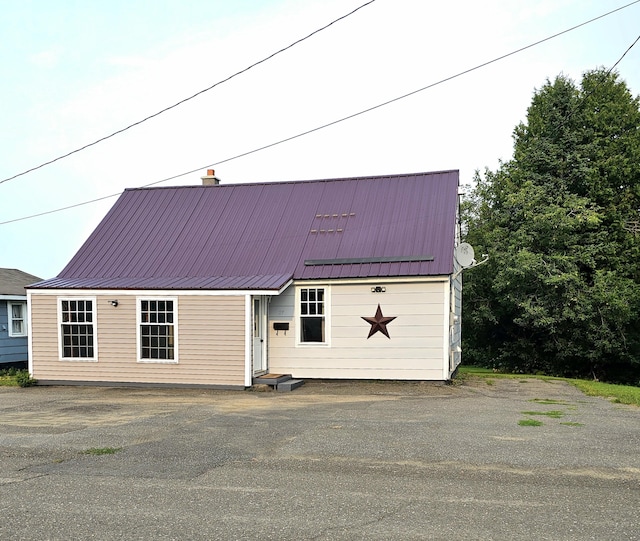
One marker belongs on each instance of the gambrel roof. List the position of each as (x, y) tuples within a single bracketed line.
[(260, 236)]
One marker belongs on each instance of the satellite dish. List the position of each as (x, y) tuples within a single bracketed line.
[(465, 255)]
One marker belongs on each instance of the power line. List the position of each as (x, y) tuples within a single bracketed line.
[(459, 74), (189, 98), (624, 54)]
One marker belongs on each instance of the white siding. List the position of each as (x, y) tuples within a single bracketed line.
[(456, 324), (416, 350)]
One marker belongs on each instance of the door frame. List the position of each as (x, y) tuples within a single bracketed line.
[(259, 333)]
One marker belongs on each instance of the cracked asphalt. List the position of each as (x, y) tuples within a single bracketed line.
[(328, 461)]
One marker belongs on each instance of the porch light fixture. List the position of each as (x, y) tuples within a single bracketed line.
[(114, 303), (378, 289)]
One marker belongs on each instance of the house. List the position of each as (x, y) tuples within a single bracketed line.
[(13, 317), (215, 284)]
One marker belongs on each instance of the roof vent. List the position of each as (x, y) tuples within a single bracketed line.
[(210, 178)]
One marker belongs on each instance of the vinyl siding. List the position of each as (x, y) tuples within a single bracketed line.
[(12, 348), (416, 350), (210, 343)]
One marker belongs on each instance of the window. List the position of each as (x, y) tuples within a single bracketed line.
[(312, 315), (77, 329), (157, 331), (17, 319)]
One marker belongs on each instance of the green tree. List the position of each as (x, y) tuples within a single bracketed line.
[(561, 292)]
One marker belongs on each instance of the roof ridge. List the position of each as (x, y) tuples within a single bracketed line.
[(289, 182)]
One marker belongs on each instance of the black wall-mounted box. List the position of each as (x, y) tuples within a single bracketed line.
[(280, 326)]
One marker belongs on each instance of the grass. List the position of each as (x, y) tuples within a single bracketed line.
[(8, 377), (555, 414), (619, 394), (12, 377), (529, 422), (549, 401)]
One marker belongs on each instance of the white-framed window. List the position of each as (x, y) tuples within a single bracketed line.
[(157, 329), (77, 326), (313, 311), (17, 319)]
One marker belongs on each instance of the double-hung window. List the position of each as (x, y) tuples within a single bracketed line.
[(77, 329), (17, 319), (313, 310), (157, 319)]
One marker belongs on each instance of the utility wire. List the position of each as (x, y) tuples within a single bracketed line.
[(624, 54), (190, 97), (345, 118)]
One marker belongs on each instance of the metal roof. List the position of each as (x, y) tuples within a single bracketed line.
[(13, 282), (259, 236)]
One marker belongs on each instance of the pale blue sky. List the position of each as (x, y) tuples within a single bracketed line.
[(75, 71)]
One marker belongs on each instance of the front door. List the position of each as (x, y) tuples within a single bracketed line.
[(259, 334)]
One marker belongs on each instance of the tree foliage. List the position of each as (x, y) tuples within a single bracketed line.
[(561, 291)]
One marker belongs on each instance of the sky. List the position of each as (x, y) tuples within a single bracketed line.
[(75, 71)]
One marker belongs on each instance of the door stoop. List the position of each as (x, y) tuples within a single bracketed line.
[(289, 385), (280, 382)]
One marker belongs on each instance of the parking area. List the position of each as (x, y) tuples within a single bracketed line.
[(514, 459)]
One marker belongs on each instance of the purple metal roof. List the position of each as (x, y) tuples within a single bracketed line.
[(259, 236)]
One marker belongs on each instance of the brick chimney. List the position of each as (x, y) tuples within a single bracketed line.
[(210, 178)]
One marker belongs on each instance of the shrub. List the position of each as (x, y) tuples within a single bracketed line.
[(24, 379)]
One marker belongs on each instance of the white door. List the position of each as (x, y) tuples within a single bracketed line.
[(259, 335)]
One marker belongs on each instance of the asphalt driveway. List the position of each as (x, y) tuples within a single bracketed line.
[(328, 461)]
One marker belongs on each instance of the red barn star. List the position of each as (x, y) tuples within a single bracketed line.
[(378, 323)]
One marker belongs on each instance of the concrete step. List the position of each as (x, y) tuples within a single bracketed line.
[(289, 385), (271, 379), (280, 382)]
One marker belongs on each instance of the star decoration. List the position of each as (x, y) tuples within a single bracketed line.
[(378, 323)]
